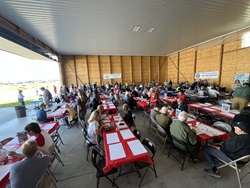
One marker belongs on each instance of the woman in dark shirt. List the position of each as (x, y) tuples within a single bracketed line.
[(128, 118)]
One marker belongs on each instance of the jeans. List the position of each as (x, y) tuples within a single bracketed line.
[(211, 152)]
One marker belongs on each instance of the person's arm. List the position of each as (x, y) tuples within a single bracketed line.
[(43, 151)]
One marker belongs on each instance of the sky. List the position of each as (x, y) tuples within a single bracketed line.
[(15, 68)]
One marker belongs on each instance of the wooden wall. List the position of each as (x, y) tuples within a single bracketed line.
[(228, 59), (89, 69)]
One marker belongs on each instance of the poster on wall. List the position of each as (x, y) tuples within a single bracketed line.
[(200, 75), (112, 76), (242, 78)]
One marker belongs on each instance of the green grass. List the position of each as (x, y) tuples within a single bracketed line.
[(12, 104)]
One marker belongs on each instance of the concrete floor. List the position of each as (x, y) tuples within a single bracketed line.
[(78, 172)]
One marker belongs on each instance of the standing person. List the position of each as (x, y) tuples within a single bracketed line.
[(55, 89), (46, 97), (241, 97), (154, 98), (20, 97), (96, 101), (236, 85), (81, 106), (28, 171)]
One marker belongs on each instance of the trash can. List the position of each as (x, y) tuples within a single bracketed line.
[(20, 111)]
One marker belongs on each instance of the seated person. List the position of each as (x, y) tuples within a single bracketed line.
[(100, 108), (189, 91), (43, 139), (94, 129), (201, 92), (244, 115), (111, 97), (117, 99), (128, 118), (212, 93), (180, 129), (73, 104), (71, 114), (181, 95), (181, 105), (28, 171), (164, 120), (131, 101), (231, 149), (154, 112), (145, 95), (41, 115), (134, 92)]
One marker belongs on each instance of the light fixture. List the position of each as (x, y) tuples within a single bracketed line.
[(136, 28), (150, 29)]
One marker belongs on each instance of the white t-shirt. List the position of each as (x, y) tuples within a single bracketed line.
[(91, 131), (48, 140)]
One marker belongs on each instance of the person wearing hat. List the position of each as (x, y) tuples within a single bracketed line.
[(41, 115), (241, 97), (180, 129), (231, 149)]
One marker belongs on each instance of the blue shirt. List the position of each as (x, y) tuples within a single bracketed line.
[(41, 116)]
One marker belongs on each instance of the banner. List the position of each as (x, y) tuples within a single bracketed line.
[(243, 78), (112, 76), (214, 74)]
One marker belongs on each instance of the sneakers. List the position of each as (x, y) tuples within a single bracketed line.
[(210, 172)]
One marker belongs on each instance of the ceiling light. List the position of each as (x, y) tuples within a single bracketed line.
[(150, 29), (136, 28)]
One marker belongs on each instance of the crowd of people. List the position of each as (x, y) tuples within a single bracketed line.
[(75, 101)]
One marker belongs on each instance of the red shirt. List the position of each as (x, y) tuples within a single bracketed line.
[(182, 96), (40, 140)]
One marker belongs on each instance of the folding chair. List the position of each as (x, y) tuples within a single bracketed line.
[(137, 134), (45, 181), (235, 165), (182, 148), (140, 165), (152, 127), (161, 134), (89, 143), (146, 115), (99, 163), (56, 137), (55, 156)]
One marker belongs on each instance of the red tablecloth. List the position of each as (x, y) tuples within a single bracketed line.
[(14, 143), (110, 107), (169, 99), (104, 97), (57, 114), (216, 110), (110, 164), (142, 102), (204, 137)]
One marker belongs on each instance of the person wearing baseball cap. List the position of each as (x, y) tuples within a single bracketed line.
[(230, 150)]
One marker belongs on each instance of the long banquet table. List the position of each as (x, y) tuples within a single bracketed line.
[(14, 145), (121, 146), (216, 110)]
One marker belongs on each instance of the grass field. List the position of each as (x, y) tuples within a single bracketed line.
[(9, 93)]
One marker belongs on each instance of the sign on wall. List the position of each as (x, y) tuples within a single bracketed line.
[(199, 75), (242, 78), (112, 76)]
